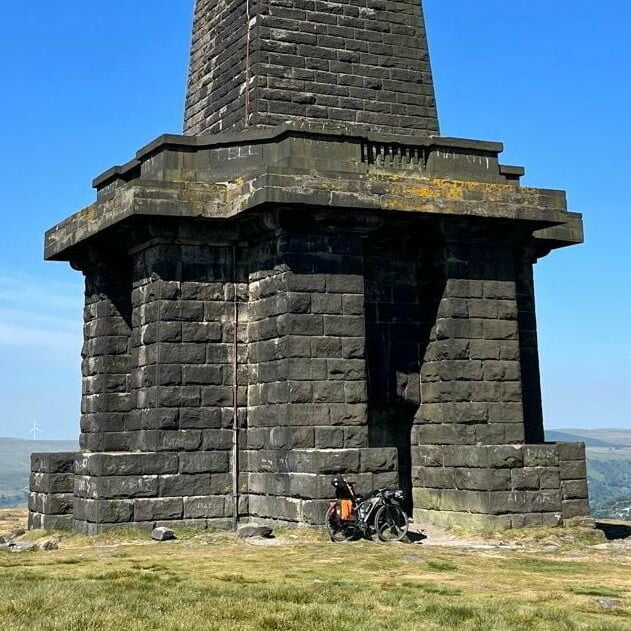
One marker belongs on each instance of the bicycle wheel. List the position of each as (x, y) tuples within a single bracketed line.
[(339, 530), (391, 523)]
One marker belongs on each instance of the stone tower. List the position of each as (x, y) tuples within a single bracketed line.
[(310, 281), (265, 63)]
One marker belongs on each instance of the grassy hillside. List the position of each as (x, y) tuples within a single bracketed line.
[(609, 475), (608, 437), (15, 455), (566, 436)]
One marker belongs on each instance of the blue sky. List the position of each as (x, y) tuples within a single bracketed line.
[(85, 84)]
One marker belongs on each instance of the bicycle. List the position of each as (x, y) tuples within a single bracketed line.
[(351, 516)]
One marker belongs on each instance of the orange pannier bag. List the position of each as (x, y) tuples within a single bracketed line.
[(346, 510)]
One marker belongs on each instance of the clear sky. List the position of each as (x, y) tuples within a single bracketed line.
[(85, 84)]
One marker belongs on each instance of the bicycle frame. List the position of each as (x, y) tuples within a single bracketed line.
[(364, 508)]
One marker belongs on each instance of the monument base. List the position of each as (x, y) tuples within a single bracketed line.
[(476, 487)]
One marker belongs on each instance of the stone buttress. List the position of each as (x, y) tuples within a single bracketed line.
[(310, 282)]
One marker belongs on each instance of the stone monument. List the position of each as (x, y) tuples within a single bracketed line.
[(310, 281)]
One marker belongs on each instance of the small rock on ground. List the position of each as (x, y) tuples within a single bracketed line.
[(51, 544), (20, 546), (601, 546), (269, 542), (14, 534), (163, 534), (608, 603), (248, 532)]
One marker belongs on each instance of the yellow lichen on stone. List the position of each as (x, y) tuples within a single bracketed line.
[(416, 193), (89, 214)]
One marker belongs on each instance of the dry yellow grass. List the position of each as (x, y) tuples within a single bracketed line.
[(211, 581)]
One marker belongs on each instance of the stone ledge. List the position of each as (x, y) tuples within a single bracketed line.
[(39, 521), (489, 502), (378, 191), (51, 503), (476, 522), (500, 456), (53, 462), (323, 461), (225, 175), (275, 134)]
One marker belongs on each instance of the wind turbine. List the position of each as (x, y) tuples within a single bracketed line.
[(35, 430)]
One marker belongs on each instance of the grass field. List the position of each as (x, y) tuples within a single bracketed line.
[(302, 582)]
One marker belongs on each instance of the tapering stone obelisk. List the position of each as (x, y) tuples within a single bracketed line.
[(310, 281), (265, 63)]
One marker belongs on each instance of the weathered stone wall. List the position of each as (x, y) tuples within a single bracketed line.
[(144, 490), (471, 379), (183, 383), (106, 363), (51, 497), (307, 404), (529, 348), (326, 62), (500, 486), (181, 372), (393, 315), (393, 339), (573, 475), (215, 99), (363, 346), (300, 354)]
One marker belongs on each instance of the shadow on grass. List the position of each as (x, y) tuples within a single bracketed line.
[(614, 531)]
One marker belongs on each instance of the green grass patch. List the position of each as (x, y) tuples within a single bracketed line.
[(71, 561), (597, 590), (212, 582), (438, 565), (549, 566), (431, 588), (237, 578)]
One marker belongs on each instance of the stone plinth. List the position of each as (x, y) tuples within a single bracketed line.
[(326, 286), (381, 290)]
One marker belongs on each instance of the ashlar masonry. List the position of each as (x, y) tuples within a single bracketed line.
[(310, 281)]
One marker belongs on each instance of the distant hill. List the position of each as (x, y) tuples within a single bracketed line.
[(556, 437), (608, 437), (15, 459)]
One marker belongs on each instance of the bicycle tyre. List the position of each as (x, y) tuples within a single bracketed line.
[(391, 523), (338, 530)]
